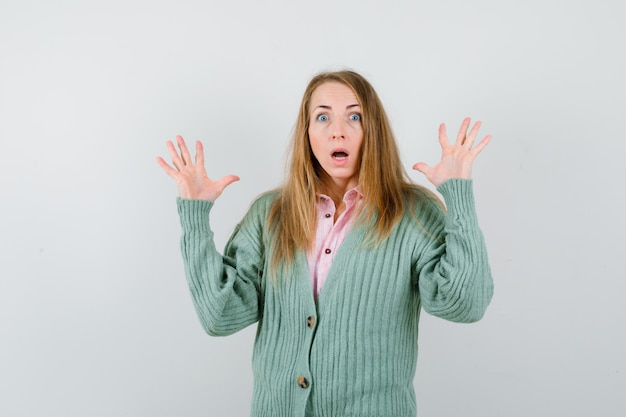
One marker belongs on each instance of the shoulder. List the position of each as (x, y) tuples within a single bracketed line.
[(265, 201), (261, 207), (251, 228), (419, 198), (424, 208)]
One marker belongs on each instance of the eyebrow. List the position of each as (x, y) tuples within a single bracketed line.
[(324, 106)]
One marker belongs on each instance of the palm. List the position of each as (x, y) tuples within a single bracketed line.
[(191, 177), (456, 159)]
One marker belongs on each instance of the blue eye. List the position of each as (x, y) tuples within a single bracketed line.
[(355, 117), (322, 118)]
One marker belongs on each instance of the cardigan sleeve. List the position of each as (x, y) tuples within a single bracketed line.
[(225, 289), (454, 276)]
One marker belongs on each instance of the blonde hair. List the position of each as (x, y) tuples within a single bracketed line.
[(382, 180)]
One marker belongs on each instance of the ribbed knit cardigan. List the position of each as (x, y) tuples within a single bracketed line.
[(353, 353)]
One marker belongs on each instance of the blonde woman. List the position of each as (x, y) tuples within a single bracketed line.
[(335, 265)]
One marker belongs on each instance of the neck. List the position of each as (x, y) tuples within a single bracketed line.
[(336, 189)]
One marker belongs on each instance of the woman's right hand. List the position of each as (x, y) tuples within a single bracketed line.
[(191, 177)]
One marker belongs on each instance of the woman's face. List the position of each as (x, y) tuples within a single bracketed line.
[(336, 133)]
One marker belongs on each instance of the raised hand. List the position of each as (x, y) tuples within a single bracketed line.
[(191, 177), (456, 159)]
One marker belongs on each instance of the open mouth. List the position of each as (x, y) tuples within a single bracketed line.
[(339, 155)]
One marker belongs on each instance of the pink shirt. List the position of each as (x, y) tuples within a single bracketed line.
[(329, 235)]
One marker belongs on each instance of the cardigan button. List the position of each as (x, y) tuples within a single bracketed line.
[(302, 382), (327, 215), (310, 321), (327, 251)]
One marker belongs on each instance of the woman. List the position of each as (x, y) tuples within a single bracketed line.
[(335, 265)]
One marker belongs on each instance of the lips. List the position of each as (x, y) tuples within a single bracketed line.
[(339, 154)]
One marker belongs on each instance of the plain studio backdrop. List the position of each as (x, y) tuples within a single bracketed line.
[(95, 314)]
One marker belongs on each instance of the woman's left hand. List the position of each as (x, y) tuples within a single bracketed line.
[(456, 159)]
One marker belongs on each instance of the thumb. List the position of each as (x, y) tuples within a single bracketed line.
[(227, 180), (218, 186), (423, 168)]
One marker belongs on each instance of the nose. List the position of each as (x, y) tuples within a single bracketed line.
[(338, 129)]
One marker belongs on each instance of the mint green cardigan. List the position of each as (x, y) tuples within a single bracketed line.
[(353, 353)]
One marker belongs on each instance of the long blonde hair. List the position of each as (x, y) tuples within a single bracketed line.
[(382, 180)]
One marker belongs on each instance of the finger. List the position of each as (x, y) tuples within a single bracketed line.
[(166, 167), (178, 163), (184, 152), (199, 154), (469, 140), (481, 145), (460, 137), (443, 137)]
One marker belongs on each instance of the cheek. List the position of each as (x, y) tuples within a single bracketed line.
[(314, 142), (360, 139), (315, 135)]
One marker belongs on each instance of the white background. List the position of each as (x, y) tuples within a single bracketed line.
[(95, 315)]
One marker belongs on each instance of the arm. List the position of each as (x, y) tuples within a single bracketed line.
[(454, 277), (225, 289)]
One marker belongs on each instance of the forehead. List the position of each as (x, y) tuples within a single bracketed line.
[(333, 92)]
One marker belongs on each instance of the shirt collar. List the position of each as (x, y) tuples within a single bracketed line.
[(350, 197)]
